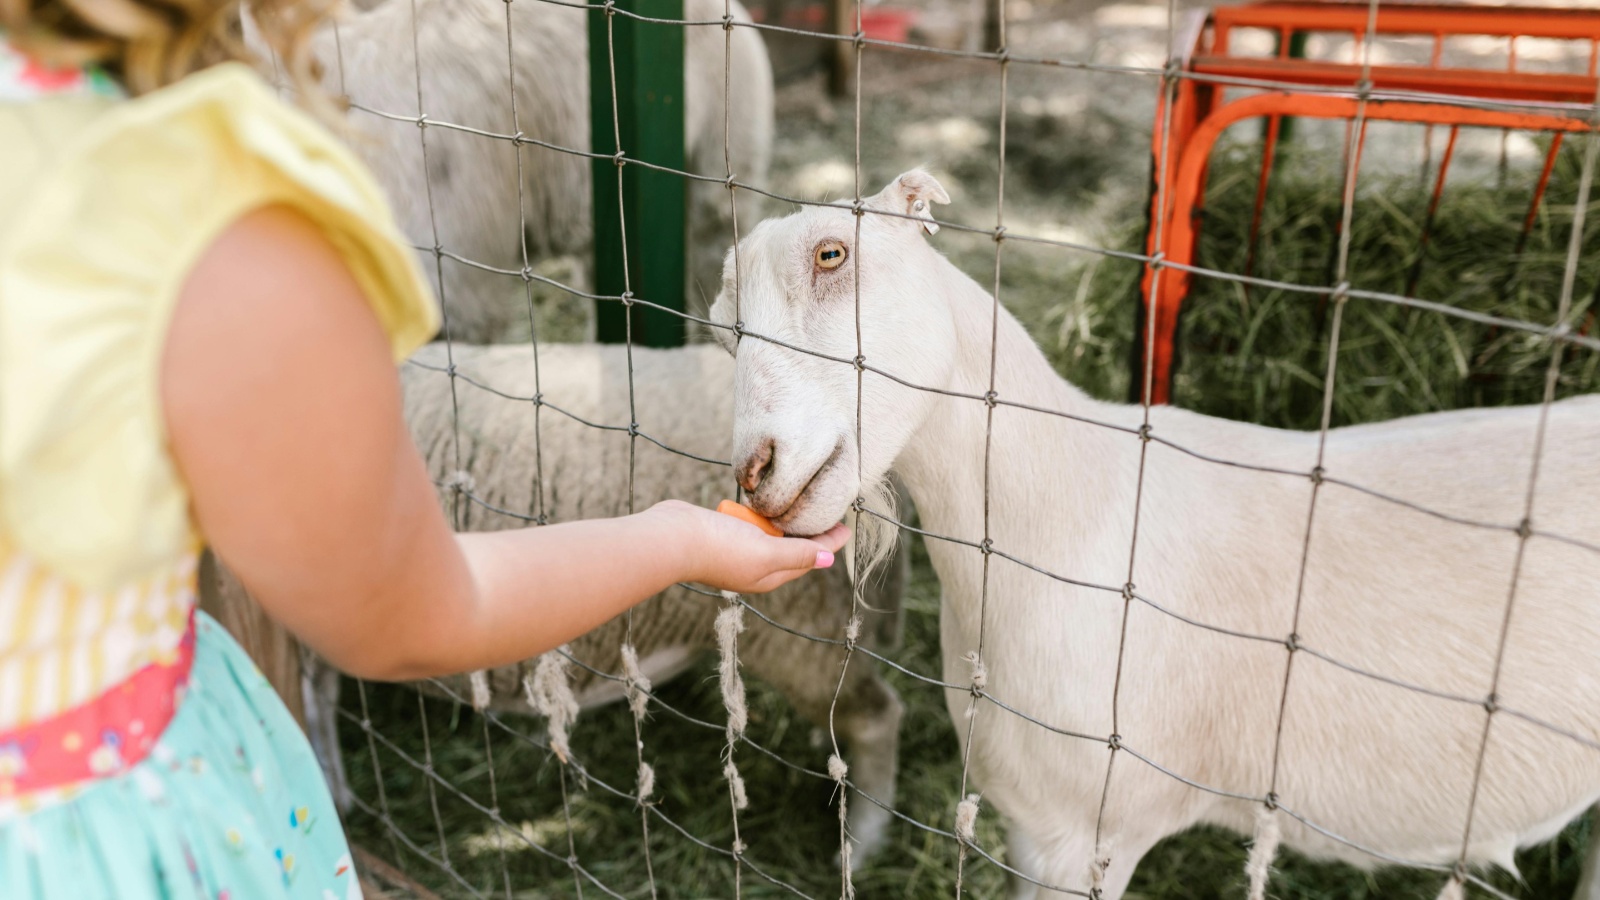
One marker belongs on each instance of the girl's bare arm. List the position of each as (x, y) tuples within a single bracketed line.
[(284, 415)]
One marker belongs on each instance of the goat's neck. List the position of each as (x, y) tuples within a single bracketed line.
[(1039, 465)]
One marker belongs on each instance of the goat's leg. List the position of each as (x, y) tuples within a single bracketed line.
[(1022, 854), (1589, 881)]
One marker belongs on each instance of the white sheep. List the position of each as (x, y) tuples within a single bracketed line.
[(684, 399), (470, 192), (1386, 588)]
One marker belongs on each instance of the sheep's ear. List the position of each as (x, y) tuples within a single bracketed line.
[(913, 194)]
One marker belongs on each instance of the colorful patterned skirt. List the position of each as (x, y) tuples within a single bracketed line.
[(226, 804)]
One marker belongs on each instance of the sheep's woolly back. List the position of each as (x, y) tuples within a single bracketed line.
[(550, 694), (1453, 890), (638, 686), (1263, 848), (730, 622)]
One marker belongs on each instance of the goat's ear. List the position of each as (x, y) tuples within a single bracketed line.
[(913, 194)]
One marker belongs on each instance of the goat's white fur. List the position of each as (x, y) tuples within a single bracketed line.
[(1385, 588), (471, 192)]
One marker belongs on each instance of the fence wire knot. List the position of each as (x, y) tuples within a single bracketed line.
[(638, 684), (1144, 432), (728, 625), (1263, 847), (1317, 474), (460, 481), (727, 23), (647, 783), (967, 818), (991, 399), (1491, 704), (1525, 528), (860, 362), (1341, 292), (1114, 742), (838, 769), (1292, 642), (986, 547), (980, 672), (422, 121), (736, 785), (1128, 592), (626, 298), (549, 692), (1098, 867), (619, 158), (999, 233)]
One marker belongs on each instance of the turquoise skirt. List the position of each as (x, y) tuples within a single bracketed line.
[(229, 805)]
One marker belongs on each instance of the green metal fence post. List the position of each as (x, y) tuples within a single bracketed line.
[(649, 113)]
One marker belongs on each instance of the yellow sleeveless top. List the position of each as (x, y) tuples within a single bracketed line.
[(105, 205)]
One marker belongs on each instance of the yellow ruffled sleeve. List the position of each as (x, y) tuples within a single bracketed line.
[(102, 244)]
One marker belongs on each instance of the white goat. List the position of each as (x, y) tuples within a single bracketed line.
[(684, 398), (470, 193), (1385, 588)]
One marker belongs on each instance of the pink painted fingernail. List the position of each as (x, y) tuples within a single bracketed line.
[(824, 559)]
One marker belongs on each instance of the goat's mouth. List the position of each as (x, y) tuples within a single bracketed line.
[(797, 505)]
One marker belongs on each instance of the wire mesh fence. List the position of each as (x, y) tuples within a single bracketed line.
[(410, 783)]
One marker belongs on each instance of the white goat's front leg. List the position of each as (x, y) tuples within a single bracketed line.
[(1589, 881), (1022, 856)]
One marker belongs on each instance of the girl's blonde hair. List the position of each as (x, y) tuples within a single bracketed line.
[(148, 44)]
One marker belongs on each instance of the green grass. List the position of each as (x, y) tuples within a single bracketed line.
[(1257, 355)]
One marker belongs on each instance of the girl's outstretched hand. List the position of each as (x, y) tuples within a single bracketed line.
[(733, 555)]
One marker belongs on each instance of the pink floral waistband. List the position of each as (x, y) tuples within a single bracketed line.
[(104, 736)]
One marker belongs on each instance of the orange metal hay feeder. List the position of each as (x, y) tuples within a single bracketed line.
[(1274, 87)]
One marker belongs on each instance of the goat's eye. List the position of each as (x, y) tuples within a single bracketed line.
[(830, 255)]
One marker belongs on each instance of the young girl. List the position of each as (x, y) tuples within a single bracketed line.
[(202, 297)]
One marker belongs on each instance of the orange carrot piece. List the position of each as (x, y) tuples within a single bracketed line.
[(745, 513)]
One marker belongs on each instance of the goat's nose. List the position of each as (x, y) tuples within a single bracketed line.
[(756, 466)]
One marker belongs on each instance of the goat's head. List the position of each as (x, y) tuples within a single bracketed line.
[(797, 282)]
